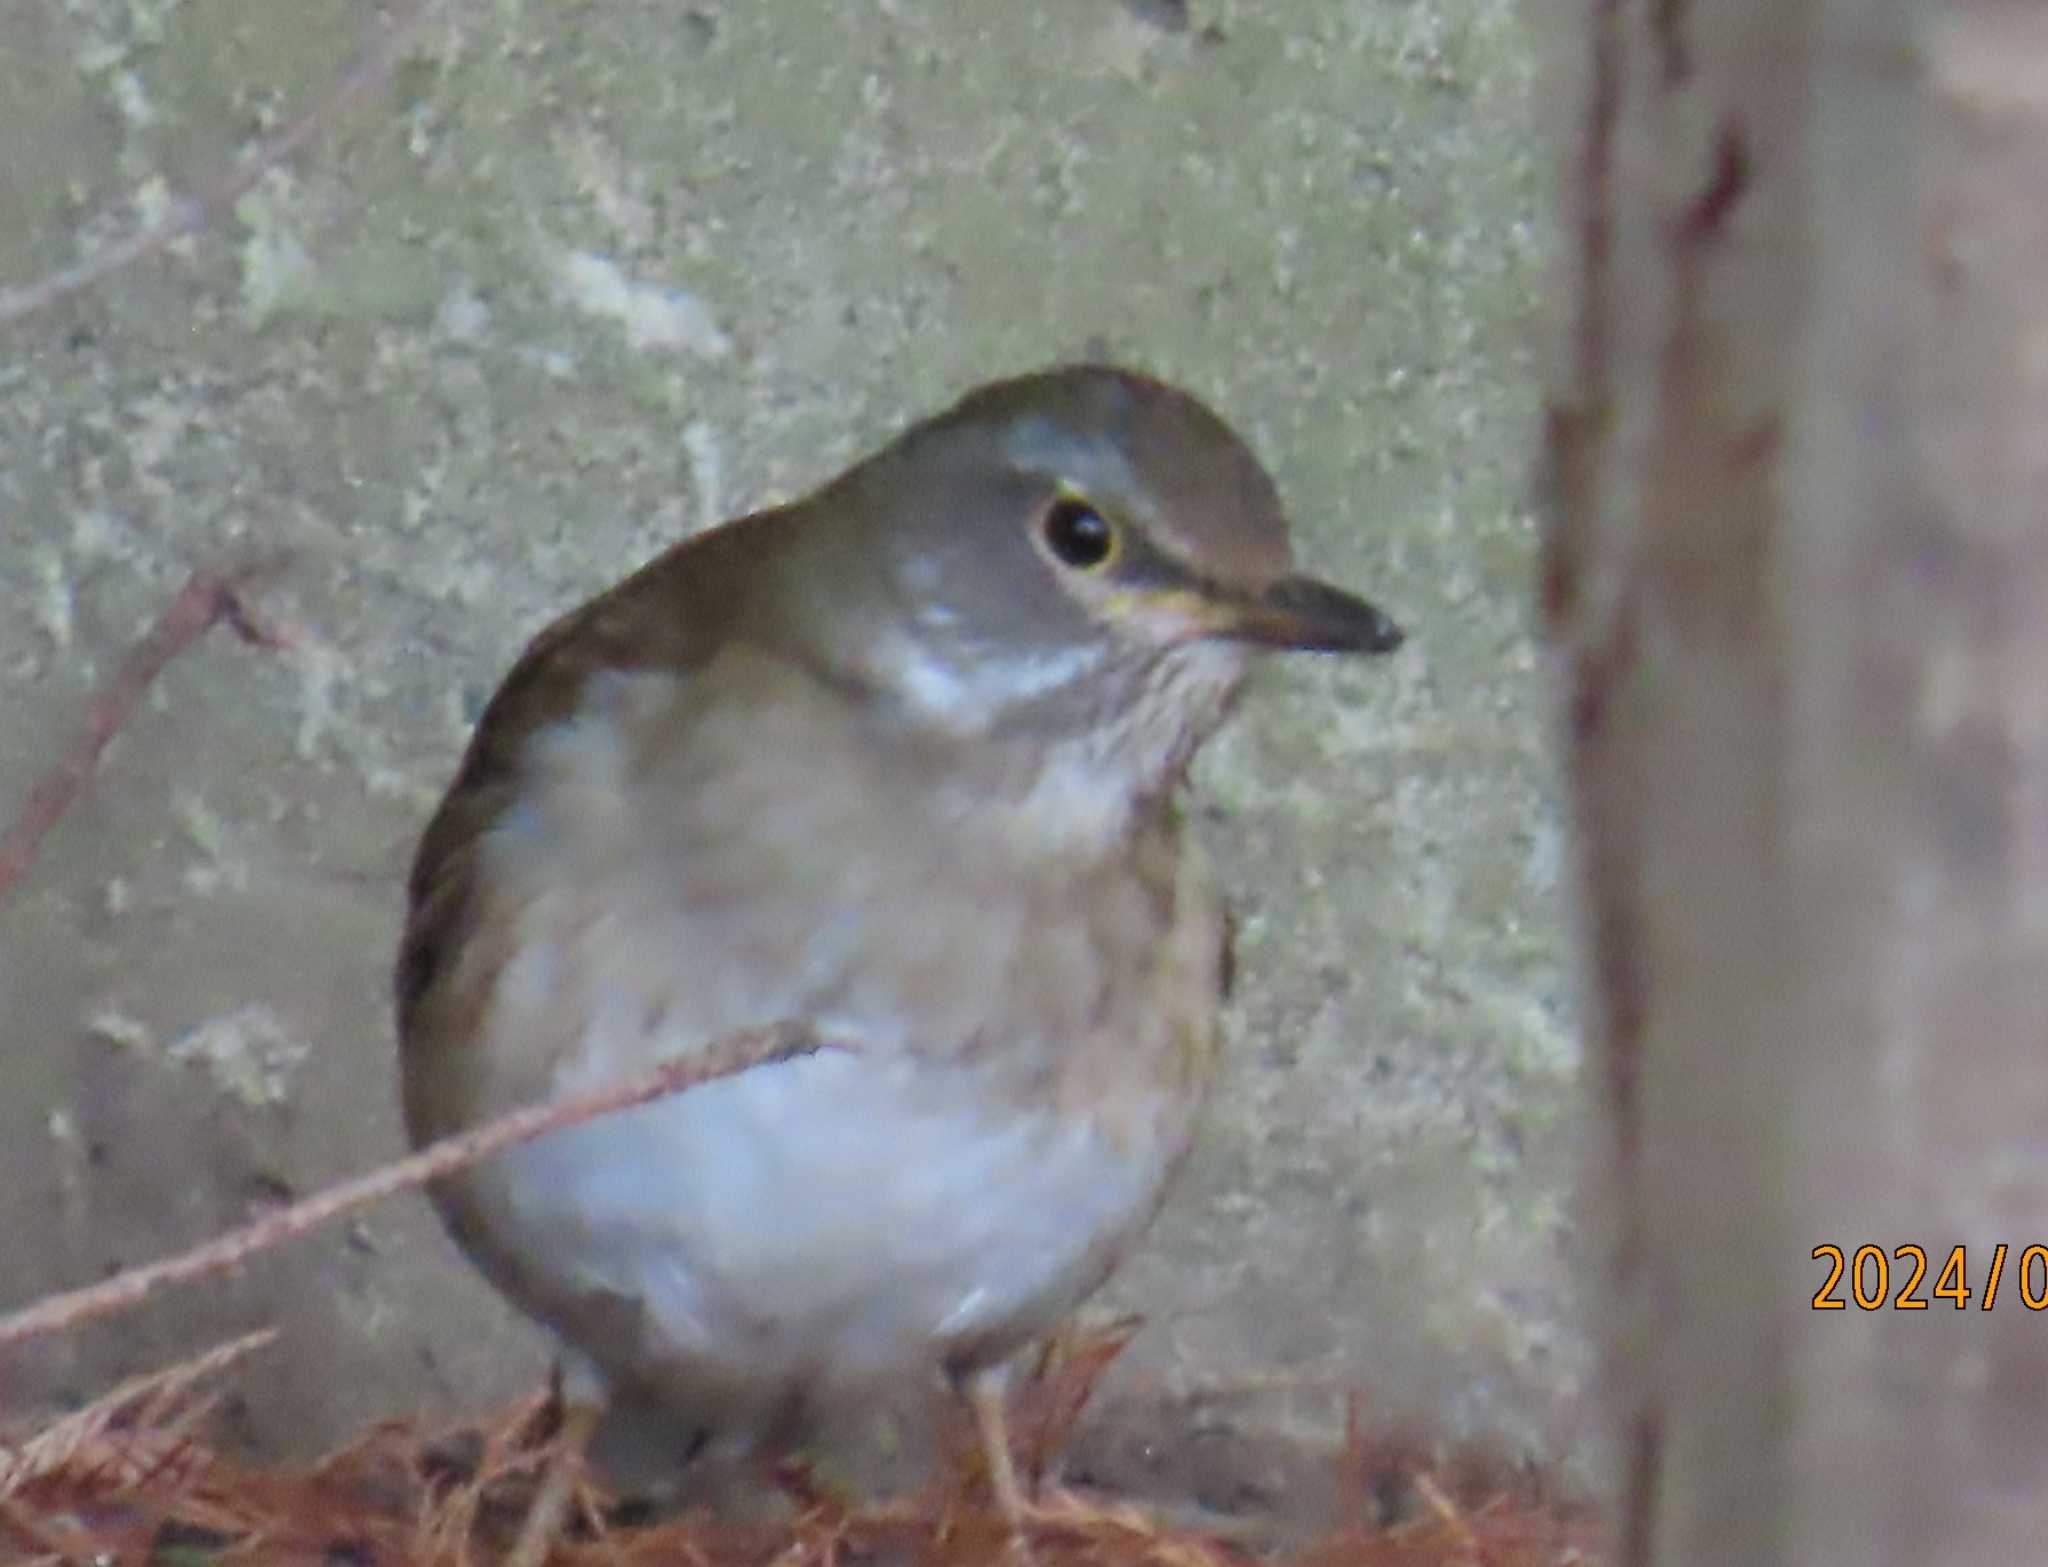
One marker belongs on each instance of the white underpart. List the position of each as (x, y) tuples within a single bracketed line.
[(833, 1216)]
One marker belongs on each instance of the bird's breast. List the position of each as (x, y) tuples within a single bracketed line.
[(682, 868), (1018, 1048)]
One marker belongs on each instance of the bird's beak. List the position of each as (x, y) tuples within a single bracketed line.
[(1303, 615)]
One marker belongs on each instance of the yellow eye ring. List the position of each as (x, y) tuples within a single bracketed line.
[(1076, 534)]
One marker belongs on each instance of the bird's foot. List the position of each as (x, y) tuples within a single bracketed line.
[(561, 1474)]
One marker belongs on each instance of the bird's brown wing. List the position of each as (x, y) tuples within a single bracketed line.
[(665, 616)]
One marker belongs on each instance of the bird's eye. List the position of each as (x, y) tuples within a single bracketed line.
[(1077, 534)]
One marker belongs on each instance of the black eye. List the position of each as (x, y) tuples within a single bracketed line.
[(1077, 534)]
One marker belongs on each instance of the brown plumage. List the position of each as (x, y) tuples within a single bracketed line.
[(897, 761)]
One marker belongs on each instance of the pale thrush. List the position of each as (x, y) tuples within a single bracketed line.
[(897, 761)]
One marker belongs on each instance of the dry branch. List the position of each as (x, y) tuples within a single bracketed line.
[(735, 1053), (209, 596), (189, 213)]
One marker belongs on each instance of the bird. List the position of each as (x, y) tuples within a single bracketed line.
[(900, 762)]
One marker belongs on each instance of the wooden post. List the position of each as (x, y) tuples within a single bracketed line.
[(1797, 575)]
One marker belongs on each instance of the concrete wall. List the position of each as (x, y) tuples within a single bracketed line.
[(580, 278)]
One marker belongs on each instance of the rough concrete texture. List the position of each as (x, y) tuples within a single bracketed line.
[(583, 277)]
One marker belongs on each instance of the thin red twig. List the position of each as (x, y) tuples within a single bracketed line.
[(187, 214), (735, 1053), (209, 596)]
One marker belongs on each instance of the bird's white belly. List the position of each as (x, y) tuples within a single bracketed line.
[(837, 1219)]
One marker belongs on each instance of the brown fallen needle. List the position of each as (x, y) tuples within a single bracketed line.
[(156, 1410), (735, 1053), (208, 597)]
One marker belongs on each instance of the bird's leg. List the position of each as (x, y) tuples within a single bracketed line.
[(582, 1400), (984, 1391)]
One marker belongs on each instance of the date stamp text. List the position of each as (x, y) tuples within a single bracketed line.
[(1907, 1278)]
